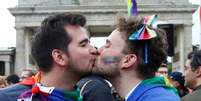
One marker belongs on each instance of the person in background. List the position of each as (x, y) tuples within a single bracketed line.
[(12, 79), (27, 72), (3, 82), (177, 80), (193, 76), (162, 70)]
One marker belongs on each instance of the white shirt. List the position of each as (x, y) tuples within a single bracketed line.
[(129, 93)]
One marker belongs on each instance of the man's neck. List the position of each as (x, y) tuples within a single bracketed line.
[(60, 80), (198, 84), (124, 84)]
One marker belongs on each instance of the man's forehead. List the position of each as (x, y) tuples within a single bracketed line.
[(188, 62), (74, 30), (114, 35), (74, 27)]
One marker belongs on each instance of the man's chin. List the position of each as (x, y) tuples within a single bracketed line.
[(95, 70)]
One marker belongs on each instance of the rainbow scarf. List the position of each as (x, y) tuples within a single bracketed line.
[(147, 85), (47, 93), (160, 81)]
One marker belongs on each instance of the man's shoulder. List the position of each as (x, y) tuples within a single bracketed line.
[(12, 92), (155, 93), (161, 93), (16, 87), (194, 96)]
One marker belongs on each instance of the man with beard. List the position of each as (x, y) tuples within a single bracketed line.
[(130, 58), (60, 42)]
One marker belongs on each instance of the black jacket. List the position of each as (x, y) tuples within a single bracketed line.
[(95, 88)]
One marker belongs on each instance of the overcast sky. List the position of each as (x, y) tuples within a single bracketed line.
[(8, 33), (7, 30), (7, 22), (195, 1)]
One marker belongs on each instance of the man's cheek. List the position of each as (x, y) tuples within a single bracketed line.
[(110, 59)]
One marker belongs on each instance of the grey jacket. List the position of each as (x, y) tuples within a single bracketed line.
[(194, 96)]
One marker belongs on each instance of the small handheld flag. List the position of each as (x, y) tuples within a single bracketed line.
[(132, 7)]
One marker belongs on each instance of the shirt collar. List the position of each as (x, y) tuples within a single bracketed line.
[(129, 93)]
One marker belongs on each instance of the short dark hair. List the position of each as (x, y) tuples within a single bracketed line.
[(196, 60), (157, 47), (13, 79), (190, 54), (52, 35)]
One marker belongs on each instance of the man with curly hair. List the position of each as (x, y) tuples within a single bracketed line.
[(132, 54)]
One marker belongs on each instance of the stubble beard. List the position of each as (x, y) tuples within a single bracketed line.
[(76, 70), (106, 71)]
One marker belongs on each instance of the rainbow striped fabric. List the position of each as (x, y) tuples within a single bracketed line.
[(43, 93), (145, 33), (132, 7), (50, 94)]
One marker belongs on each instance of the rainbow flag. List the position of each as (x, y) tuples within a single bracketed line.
[(132, 7)]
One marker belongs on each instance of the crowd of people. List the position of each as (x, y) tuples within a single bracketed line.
[(129, 67), (12, 79)]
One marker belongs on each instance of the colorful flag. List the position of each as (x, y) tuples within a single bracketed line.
[(132, 7)]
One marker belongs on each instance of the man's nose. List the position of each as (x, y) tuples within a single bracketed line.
[(100, 49), (94, 51)]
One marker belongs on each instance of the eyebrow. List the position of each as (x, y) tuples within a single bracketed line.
[(84, 41)]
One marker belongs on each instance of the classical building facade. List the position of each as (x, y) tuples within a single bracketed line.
[(7, 60), (101, 16)]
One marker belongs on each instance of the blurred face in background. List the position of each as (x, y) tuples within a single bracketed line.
[(175, 83), (162, 71), (190, 75), (26, 73), (3, 81)]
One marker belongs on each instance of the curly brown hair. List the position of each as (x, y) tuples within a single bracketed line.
[(157, 47)]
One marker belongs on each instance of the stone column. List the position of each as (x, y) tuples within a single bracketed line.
[(186, 43), (27, 46), (7, 68), (181, 49), (20, 50), (187, 39)]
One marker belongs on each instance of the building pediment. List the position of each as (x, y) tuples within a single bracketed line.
[(102, 14)]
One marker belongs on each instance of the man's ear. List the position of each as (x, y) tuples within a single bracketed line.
[(59, 57), (198, 71), (128, 61)]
